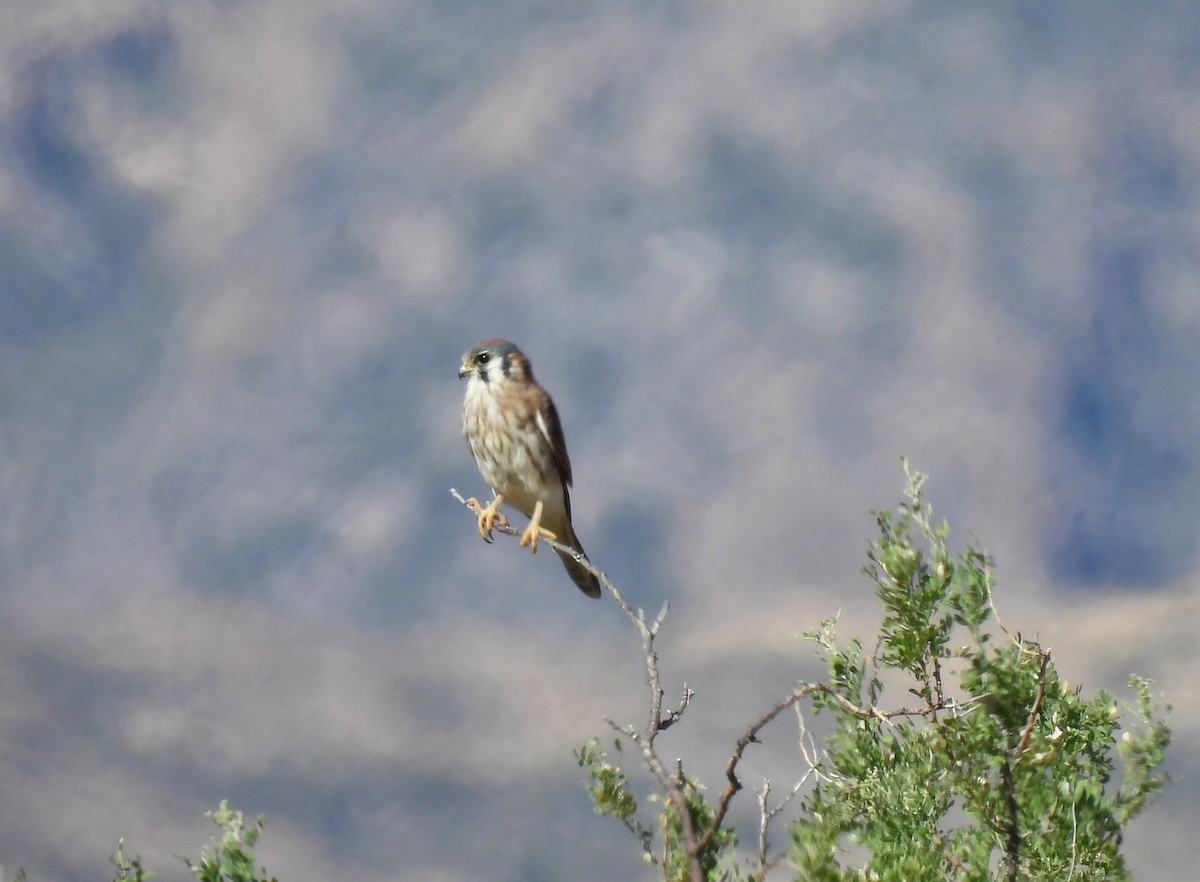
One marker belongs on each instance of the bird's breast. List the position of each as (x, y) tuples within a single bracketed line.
[(513, 455)]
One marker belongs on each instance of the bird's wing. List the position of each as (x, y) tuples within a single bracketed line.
[(550, 427)]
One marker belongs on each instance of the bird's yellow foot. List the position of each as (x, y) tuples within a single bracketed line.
[(488, 517), (535, 530)]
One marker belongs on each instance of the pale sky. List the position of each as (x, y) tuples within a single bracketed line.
[(756, 252)]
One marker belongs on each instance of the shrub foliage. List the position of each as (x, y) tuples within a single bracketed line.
[(987, 767)]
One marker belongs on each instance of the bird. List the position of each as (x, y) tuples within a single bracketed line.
[(513, 431)]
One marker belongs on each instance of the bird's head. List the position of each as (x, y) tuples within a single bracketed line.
[(495, 360)]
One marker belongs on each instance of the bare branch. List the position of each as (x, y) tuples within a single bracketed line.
[(936, 699), (1012, 844), (636, 618), (809, 750), (672, 784), (748, 737), (765, 816), (1037, 704)]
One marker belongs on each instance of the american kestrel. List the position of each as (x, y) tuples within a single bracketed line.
[(514, 434)]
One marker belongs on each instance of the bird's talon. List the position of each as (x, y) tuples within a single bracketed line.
[(531, 535), (488, 517)]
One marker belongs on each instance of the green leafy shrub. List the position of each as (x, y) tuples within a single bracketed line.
[(228, 857), (990, 767)]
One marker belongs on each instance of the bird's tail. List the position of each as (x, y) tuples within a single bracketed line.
[(561, 527), (587, 582)]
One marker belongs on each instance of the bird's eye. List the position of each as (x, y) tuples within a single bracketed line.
[(483, 357)]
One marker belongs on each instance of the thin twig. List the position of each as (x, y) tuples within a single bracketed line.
[(635, 617), (672, 784), (937, 699), (765, 816), (750, 736), (1037, 704), (1074, 842), (809, 750), (1013, 840)]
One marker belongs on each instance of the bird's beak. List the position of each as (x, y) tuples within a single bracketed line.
[(464, 371)]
